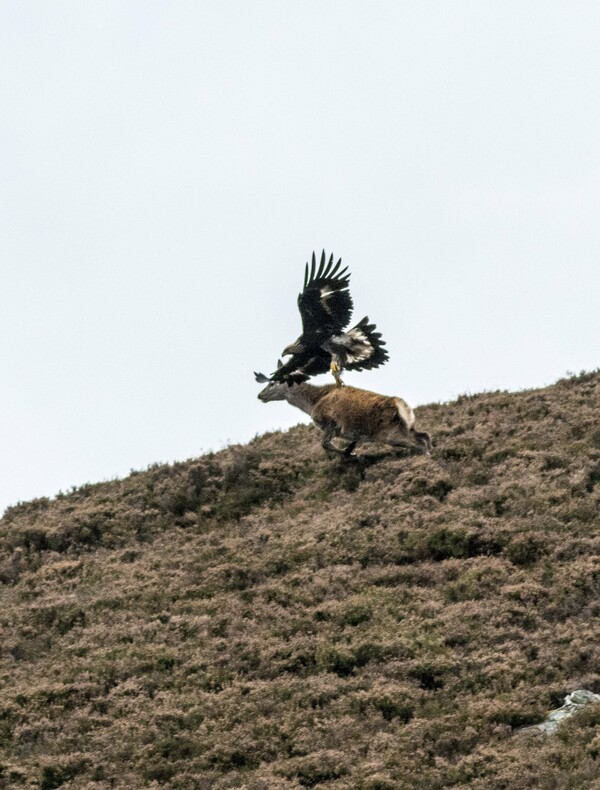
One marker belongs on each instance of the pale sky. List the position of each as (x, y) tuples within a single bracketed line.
[(166, 169)]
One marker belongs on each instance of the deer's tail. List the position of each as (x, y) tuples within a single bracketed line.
[(407, 415)]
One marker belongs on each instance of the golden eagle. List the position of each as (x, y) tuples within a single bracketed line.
[(325, 307)]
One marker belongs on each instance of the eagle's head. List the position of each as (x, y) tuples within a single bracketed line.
[(294, 348)]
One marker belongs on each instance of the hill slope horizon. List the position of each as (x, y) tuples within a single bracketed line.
[(269, 617)]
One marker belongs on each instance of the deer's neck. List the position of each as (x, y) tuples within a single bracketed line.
[(306, 396)]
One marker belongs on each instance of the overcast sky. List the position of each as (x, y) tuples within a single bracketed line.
[(166, 169)]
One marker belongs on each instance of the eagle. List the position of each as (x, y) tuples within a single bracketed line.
[(325, 344)]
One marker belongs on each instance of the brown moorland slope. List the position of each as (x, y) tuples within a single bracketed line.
[(265, 617)]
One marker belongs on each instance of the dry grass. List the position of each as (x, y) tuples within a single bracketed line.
[(267, 618)]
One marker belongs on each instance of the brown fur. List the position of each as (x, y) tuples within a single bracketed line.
[(357, 411)]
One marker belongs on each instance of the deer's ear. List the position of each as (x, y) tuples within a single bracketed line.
[(260, 377)]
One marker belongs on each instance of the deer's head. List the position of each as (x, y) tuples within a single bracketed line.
[(275, 390)]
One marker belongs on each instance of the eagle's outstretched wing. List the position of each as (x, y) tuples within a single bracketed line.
[(325, 303)]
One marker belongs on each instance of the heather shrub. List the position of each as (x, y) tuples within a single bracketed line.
[(526, 549), (444, 543), (60, 772), (356, 613), (62, 617), (177, 490), (437, 488), (428, 674), (378, 782), (11, 567), (592, 478), (317, 768), (249, 481), (515, 715), (8, 718), (476, 583), (392, 707)]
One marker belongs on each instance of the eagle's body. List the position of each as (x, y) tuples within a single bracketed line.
[(325, 307)]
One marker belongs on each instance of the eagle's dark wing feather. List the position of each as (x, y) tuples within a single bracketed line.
[(325, 303), (302, 366)]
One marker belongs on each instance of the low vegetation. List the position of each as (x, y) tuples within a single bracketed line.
[(272, 619)]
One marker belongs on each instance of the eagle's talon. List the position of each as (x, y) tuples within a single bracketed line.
[(336, 370)]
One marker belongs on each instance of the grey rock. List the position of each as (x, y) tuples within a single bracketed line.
[(573, 702)]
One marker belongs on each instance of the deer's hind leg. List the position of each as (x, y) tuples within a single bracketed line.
[(408, 441), (422, 439), (347, 451), (330, 431)]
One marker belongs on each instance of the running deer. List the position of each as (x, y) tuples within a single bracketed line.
[(351, 414)]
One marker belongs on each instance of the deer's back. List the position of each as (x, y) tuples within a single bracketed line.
[(357, 411)]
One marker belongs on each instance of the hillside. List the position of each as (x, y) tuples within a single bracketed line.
[(269, 618)]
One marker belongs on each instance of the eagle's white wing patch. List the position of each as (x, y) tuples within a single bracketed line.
[(326, 292), (356, 344), (360, 354)]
